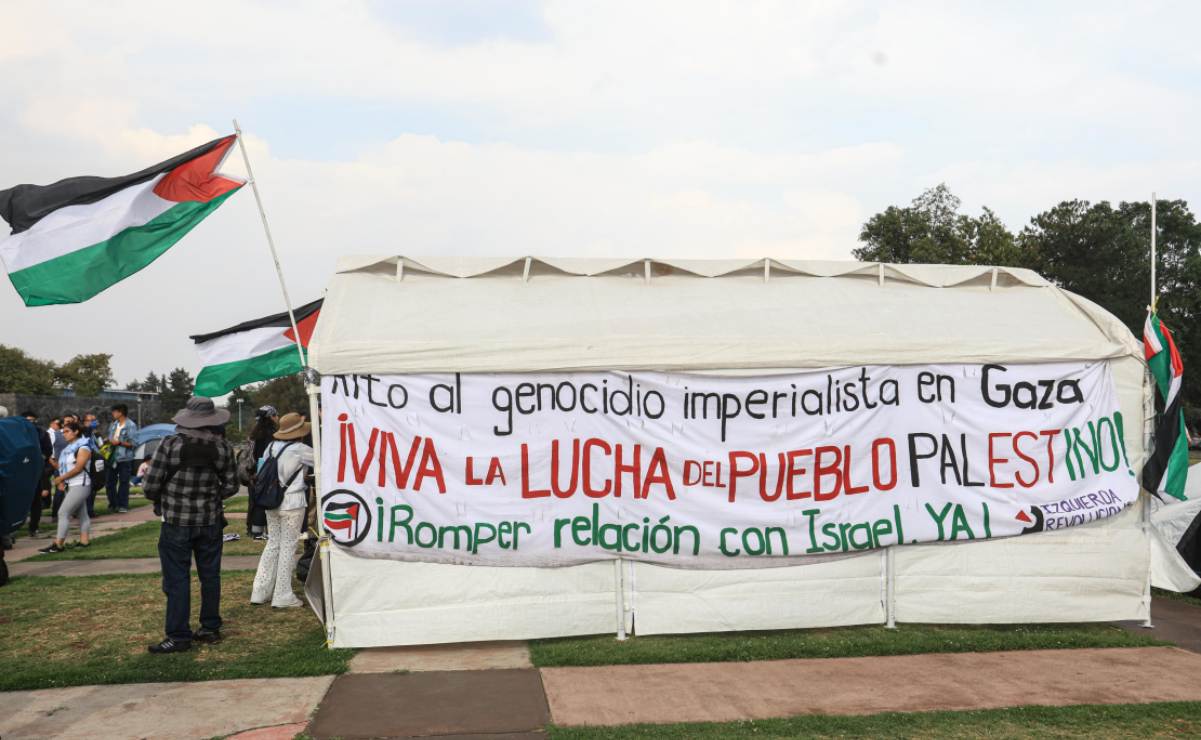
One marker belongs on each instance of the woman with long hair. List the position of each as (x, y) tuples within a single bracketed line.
[(74, 483), (293, 454), (266, 422)]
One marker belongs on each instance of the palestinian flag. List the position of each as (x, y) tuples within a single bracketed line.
[(1165, 471), (79, 236), (256, 350), (341, 516)]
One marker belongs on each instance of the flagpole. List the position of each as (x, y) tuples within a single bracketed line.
[(279, 273), (312, 389), (1145, 511), (1154, 297)]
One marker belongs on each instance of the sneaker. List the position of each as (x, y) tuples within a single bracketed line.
[(206, 635), (288, 604), (52, 547), (169, 646), (261, 537), (123, 510)]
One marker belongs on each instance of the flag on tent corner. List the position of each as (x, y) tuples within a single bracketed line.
[(79, 236), (1167, 467), (256, 350)]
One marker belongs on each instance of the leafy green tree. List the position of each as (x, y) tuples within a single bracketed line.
[(177, 389), (1103, 253), (20, 373), (932, 230), (87, 375), (286, 394)]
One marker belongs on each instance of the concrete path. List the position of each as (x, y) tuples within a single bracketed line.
[(724, 692), (1175, 621), (175, 710), (25, 547), (467, 656), (114, 566)]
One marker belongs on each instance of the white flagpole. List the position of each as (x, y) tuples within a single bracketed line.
[(279, 273), (311, 388), (1153, 259)]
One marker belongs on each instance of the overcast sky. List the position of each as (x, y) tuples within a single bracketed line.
[(685, 129)]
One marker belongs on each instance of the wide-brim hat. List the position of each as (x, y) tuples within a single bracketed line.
[(293, 426), (200, 412)]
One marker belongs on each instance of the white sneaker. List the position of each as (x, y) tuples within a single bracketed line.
[(288, 604)]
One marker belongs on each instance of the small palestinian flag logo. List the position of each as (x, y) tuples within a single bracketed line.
[(1033, 521), (346, 517)]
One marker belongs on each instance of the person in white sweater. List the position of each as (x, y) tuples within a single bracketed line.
[(273, 580)]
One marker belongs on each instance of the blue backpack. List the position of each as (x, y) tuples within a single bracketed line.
[(267, 492)]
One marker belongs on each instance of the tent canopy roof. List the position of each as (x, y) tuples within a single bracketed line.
[(394, 314)]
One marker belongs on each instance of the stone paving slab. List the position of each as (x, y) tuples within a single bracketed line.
[(724, 692), (505, 702), (115, 566), (1176, 621), (159, 710), (467, 656)]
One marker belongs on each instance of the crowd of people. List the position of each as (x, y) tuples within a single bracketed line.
[(188, 479)]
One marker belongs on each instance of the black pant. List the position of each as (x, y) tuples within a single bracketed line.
[(56, 502), (117, 485), (176, 546), (35, 512)]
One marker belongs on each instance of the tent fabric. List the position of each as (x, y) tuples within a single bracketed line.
[(1171, 520), (395, 315)]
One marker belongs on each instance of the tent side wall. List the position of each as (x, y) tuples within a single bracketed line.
[(397, 315)]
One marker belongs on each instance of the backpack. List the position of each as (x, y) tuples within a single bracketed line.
[(246, 464), (267, 491), (97, 466)]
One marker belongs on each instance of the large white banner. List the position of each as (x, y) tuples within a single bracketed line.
[(715, 471)]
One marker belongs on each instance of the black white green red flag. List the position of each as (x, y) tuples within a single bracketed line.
[(1165, 471), (253, 351), (77, 237)]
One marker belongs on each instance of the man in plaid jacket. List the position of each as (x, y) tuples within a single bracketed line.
[(190, 476)]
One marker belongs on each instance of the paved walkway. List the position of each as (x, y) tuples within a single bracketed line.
[(166, 710), (115, 566), (1175, 621), (25, 547)]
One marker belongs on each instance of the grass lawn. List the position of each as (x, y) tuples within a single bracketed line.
[(835, 642), (72, 631), (135, 502), (141, 541), (1168, 719), (237, 504)]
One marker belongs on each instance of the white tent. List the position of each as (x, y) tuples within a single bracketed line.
[(396, 315)]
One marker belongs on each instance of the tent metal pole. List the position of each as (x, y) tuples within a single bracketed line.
[(1145, 498), (620, 598), (279, 273), (890, 578), (313, 385)]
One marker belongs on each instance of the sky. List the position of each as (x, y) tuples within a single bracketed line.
[(639, 129)]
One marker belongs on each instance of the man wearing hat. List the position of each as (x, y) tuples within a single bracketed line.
[(191, 474), (273, 579)]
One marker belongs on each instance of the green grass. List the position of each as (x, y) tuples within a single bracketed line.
[(73, 631), (135, 502), (837, 642), (237, 504), (1163, 720), (1160, 593), (141, 541)]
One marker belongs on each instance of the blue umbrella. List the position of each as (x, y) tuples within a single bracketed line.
[(153, 431)]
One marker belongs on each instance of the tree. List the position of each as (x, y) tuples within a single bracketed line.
[(931, 230), (20, 373), (176, 390), (87, 375), (1103, 253), (286, 394), (151, 384)]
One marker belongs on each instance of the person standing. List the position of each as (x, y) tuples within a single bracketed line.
[(121, 436), (273, 579), (55, 430), (191, 475), (74, 483), (41, 494), (266, 421), (59, 444)]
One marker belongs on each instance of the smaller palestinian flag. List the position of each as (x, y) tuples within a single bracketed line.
[(341, 516), (1167, 467), (253, 351), (79, 236)]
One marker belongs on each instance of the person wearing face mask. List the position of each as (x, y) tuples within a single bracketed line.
[(74, 483), (91, 429)]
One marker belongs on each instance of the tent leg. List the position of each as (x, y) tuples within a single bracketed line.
[(1145, 515), (619, 590), (890, 581), (312, 385)]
